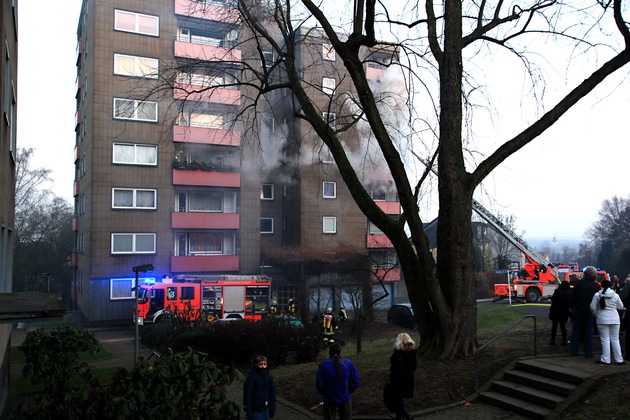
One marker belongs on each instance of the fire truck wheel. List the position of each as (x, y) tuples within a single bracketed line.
[(532, 294)]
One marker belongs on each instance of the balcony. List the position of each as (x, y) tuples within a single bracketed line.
[(216, 95), (206, 11), (374, 73), (206, 135), (378, 241), (76, 188), (204, 263), (392, 274), (206, 52), (205, 220), (79, 50), (77, 120), (77, 153), (75, 259), (389, 207), (75, 224), (206, 178), (77, 86)]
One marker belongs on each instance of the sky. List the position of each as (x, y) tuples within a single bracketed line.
[(554, 187)]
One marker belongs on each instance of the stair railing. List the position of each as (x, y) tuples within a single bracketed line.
[(500, 334)]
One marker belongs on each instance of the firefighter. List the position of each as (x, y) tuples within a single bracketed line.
[(273, 309), (329, 326), (291, 308), (343, 314)]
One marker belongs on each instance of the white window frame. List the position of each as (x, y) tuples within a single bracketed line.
[(134, 237), (268, 59), (334, 188), (330, 118), (135, 192), (135, 104), (135, 153), (329, 85), (326, 221), (144, 67), (127, 283), (272, 225), (270, 190), (137, 17), (328, 52)]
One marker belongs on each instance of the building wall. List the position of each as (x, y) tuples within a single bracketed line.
[(8, 98)]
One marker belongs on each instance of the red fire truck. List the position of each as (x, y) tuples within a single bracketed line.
[(211, 297)]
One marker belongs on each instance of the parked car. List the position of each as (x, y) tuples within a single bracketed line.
[(402, 314)]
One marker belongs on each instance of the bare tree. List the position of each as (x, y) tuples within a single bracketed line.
[(436, 49), (502, 249)]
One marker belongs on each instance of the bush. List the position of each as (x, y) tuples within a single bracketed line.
[(238, 342)]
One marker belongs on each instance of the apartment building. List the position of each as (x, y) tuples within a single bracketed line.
[(172, 177), (8, 98)]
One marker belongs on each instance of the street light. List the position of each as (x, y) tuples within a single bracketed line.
[(138, 269)]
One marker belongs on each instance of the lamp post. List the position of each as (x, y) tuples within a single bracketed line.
[(138, 269)]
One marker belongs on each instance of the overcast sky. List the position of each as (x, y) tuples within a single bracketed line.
[(554, 187)]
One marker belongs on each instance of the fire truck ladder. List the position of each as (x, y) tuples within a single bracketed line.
[(514, 239)]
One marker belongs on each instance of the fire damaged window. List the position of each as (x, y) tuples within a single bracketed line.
[(267, 192)]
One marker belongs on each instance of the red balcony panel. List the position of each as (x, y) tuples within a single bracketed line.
[(77, 153), (374, 73), (206, 135), (204, 263), (206, 178), (75, 259), (389, 207), (378, 241), (216, 95), (392, 274), (76, 188), (197, 220), (206, 11), (75, 224), (206, 52)]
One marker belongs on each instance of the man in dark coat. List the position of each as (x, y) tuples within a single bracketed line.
[(559, 311), (583, 292)]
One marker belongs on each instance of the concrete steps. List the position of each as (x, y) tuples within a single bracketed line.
[(533, 388)]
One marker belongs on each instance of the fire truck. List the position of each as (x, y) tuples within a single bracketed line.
[(212, 297), (538, 278)]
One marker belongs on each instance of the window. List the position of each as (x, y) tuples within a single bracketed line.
[(379, 194), (134, 154), (329, 85), (133, 109), (130, 65), (329, 224), (330, 189), (187, 293), (199, 201), (200, 79), (269, 122), (328, 52), (266, 225), (121, 288), (136, 23), (204, 243), (330, 118), (268, 59), (133, 243), (267, 192), (131, 198), (373, 229), (201, 120)]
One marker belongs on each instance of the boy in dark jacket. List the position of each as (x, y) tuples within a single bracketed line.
[(259, 392)]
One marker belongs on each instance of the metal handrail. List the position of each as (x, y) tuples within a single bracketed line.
[(501, 333)]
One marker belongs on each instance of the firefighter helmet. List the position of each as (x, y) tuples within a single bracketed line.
[(328, 311)]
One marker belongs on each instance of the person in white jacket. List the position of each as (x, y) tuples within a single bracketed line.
[(605, 307)]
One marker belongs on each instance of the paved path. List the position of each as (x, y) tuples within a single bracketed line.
[(120, 343)]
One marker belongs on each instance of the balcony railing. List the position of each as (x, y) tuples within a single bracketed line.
[(205, 220), (207, 10), (378, 241), (204, 263), (208, 178), (206, 52), (206, 135), (219, 95)]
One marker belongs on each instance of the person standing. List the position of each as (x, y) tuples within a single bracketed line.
[(336, 381), (329, 326), (402, 372), (624, 294), (259, 392), (583, 292), (291, 308), (559, 311), (605, 307)]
